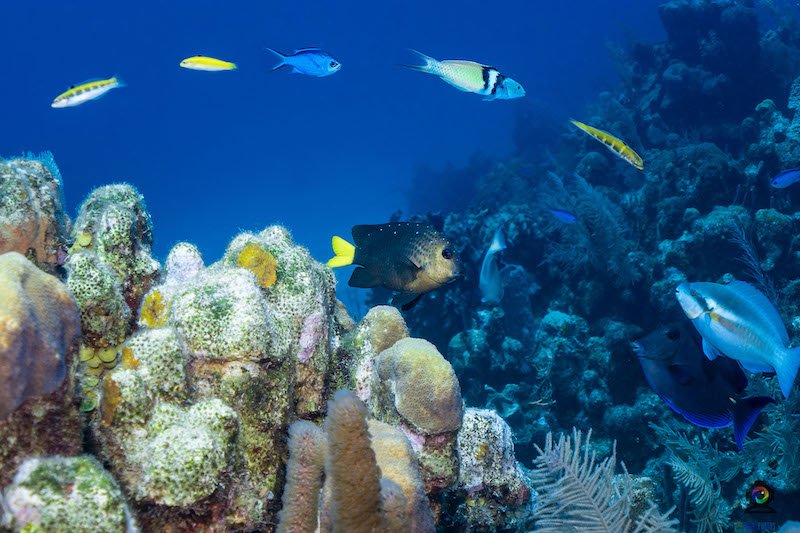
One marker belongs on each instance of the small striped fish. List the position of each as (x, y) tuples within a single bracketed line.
[(612, 143), (90, 90), (209, 64), (471, 77)]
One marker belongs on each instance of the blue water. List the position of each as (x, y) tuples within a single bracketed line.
[(214, 153)]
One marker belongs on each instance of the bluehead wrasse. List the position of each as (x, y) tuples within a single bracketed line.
[(612, 143), (89, 90), (471, 77), (208, 64)]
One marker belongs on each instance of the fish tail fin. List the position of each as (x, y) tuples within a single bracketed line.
[(745, 413), (344, 253), (498, 242), (281, 59), (429, 64), (787, 369), (577, 124)]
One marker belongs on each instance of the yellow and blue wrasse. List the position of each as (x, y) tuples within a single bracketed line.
[(612, 143), (89, 90), (208, 64), (471, 77)]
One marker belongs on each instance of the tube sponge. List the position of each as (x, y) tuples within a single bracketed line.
[(303, 478), (352, 469)]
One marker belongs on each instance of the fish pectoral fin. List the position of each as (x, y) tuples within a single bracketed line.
[(406, 300), (745, 412), (363, 279), (710, 350)]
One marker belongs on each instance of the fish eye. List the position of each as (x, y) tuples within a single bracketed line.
[(673, 334), (333, 63), (447, 253)]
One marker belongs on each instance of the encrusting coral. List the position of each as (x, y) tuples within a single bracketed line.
[(32, 219), (39, 335), (65, 494)]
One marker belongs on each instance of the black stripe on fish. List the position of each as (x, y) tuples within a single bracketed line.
[(487, 78), (497, 83)]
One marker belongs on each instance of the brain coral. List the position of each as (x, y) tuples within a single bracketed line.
[(421, 386), (39, 328), (32, 220)]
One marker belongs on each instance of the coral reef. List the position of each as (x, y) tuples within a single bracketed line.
[(65, 494), (32, 219), (39, 335)]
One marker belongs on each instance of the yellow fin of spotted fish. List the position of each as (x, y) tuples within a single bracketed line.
[(612, 143), (345, 253)]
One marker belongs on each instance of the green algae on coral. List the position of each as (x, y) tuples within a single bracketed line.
[(66, 494)]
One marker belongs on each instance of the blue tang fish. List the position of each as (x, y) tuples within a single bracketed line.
[(786, 178), (738, 321), (490, 283), (308, 61), (706, 393), (564, 216)]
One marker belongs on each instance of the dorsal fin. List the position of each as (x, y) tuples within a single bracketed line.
[(310, 49)]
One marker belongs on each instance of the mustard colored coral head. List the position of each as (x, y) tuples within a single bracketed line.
[(260, 262), (154, 310)]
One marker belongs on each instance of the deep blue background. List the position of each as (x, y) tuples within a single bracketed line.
[(214, 153)]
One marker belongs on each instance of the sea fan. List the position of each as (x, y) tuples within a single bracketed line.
[(577, 493), (751, 262)]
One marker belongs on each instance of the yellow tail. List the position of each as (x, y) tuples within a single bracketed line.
[(345, 252)]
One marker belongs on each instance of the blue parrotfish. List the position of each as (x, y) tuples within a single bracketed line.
[(785, 178), (490, 283), (471, 77), (308, 61), (564, 216), (706, 393), (740, 322), (408, 257)]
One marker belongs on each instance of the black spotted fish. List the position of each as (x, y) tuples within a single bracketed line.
[(408, 257), (471, 77), (738, 321), (706, 393), (612, 143)]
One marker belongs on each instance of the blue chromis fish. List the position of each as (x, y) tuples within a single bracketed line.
[(738, 321), (308, 61), (88, 90), (208, 64), (408, 257), (471, 77), (706, 393), (564, 216), (612, 143), (786, 178), (490, 283)]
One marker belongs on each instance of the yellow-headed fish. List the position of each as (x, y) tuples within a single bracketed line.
[(471, 77), (209, 64), (612, 143), (407, 257), (89, 90)]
